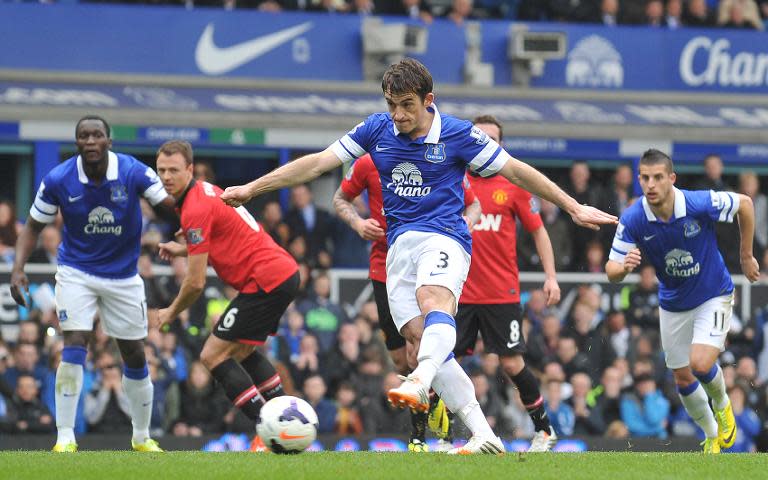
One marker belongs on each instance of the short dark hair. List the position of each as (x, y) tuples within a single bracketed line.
[(653, 156), (491, 120), (107, 129), (177, 146), (407, 76)]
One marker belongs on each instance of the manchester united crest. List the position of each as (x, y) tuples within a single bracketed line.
[(500, 197)]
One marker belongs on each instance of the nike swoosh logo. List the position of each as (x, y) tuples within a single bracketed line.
[(286, 436), (730, 437), (74, 199), (433, 274), (648, 237), (716, 334), (512, 345), (382, 149), (146, 404), (213, 60)]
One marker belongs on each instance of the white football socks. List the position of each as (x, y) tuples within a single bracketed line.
[(697, 405), (437, 343), (716, 389), (139, 393), (69, 383), (457, 391)]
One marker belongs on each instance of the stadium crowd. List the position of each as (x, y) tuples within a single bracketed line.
[(602, 372), (672, 14)]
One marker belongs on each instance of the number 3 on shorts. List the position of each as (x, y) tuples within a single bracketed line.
[(443, 260)]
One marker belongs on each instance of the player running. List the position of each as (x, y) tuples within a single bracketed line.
[(98, 193), (362, 175), (490, 301), (675, 229), (421, 156), (245, 257)]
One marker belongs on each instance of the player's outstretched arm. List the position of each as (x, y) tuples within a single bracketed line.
[(616, 271), (24, 245), (547, 255), (527, 177), (746, 216), (472, 213), (299, 171), (368, 229)]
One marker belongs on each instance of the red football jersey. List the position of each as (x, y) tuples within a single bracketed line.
[(493, 275), (362, 175), (242, 253)]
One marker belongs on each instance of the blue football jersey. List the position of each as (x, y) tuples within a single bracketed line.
[(102, 222), (684, 250), (421, 179)]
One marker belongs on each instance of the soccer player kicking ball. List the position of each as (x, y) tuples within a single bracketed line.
[(675, 230), (490, 301), (245, 257), (421, 157), (362, 175), (98, 194)]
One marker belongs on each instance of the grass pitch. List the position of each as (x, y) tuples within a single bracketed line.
[(111, 465)]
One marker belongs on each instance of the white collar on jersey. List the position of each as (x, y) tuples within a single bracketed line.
[(111, 168), (434, 131), (680, 210)]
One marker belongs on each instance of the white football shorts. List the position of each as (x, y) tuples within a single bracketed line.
[(121, 303), (707, 324), (422, 258)]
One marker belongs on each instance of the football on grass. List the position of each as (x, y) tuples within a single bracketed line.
[(287, 424)]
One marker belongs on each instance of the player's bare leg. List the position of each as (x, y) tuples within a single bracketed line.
[(530, 395), (140, 392), (69, 384), (220, 358), (707, 371)]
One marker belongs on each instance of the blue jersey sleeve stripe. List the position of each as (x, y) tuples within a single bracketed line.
[(616, 256), (617, 250), (351, 146), (733, 209), (497, 164), (489, 162), (342, 152), (622, 245), (45, 207), (486, 154), (41, 217), (155, 193)]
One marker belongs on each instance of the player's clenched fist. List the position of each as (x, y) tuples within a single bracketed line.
[(632, 260), (237, 195)]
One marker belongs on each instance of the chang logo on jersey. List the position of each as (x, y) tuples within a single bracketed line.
[(407, 181), (680, 263), (101, 220), (488, 223), (594, 62)]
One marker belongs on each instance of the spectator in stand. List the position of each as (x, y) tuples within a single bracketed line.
[(314, 394), (364, 7), (590, 343), (289, 336), (461, 11), (698, 14), (343, 358), (272, 221), (749, 424), (542, 344), (619, 196), (609, 13), (322, 317), (307, 363), (582, 410), (7, 414), (595, 257), (617, 333), (654, 13), (749, 185), (560, 414), (642, 306), (32, 416), (605, 401), (48, 251), (673, 15), (9, 231), (569, 356), (379, 416), (203, 172), (536, 307), (26, 357), (414, 9), (488, 398), (370, 372), (29, 332), (313, 223), (739, 14), (201, 406), (644, 410), (107, 408), (579, 188), (348, 418), (350, 250), (173, 355)]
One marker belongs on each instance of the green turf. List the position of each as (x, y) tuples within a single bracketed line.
[(369, 466)]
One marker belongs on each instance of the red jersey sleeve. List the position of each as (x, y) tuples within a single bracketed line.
[(469, 194), (355, 180), (526, 207), (197, 223)]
